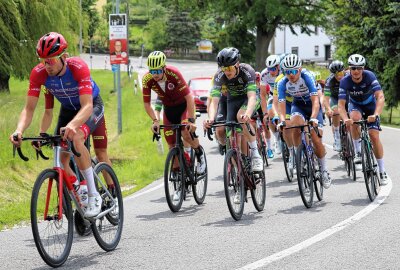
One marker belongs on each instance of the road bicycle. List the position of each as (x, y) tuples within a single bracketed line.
[(260, 136), (309, 175), (286, 158), (347, 152), (238, 176), (369, 163), (180, 172), (51, 210)]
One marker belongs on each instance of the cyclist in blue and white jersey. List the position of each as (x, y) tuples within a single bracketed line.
[(366, 100), (305, 106), (268, 77)]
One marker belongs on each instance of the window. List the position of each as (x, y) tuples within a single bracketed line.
[(295, 50), (316, 50)]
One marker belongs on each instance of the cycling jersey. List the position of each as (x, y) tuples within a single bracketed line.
[(66, 88), (301, 90), (171, 92), (360, 93), (238, 86), (332, 87)]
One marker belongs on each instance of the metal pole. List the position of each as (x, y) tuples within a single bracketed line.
[(119, 100), (80, 27)]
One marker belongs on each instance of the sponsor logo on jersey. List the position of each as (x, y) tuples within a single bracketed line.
[(171, 86)]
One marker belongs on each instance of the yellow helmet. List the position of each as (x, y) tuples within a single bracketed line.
[(156, 60)]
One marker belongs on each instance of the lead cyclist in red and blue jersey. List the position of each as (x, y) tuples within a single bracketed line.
[(300, 85), (366, 100), (69, 81)]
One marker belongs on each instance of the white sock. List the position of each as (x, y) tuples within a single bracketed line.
[(357, 145), (269, 143), (381, 165), (336, 134), (254, 149), (322, 162), (88, 175), (276, 135)]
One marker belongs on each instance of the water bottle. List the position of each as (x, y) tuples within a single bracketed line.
[(160, 147)]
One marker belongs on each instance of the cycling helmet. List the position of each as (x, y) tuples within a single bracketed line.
[(272, 61), (291, 61), (228, 57), (156, 60), (336, 66), (356, 60), (50, 45), (258, 76)]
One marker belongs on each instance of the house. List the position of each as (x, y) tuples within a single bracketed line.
[(311, 48)]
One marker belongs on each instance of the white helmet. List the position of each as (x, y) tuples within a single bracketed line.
[(272, 61), (356, 60), (291, 61)]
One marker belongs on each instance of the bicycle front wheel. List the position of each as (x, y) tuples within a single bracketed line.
[(233, 185), (319, 188), (351, 168), (286, 160), (52, 234), (199, 188), (174, 180), (258, 193), (107, 229), (262, 146), (304, 176), (368, 170)]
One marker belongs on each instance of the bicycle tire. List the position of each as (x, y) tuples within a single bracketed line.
[(174, 184), (319, 188), (350, 158), (304, 176), (107, 230), (233, 183), (200, 187), (258, 194), (41, 227), (285, 157), (261, 148), (368, 170)]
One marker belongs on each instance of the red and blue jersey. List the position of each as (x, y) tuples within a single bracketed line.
[(67, 88)]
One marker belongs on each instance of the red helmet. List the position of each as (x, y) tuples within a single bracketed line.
[(258, 76), (50, 45)]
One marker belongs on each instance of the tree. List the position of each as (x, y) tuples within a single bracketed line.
[(22, 23)]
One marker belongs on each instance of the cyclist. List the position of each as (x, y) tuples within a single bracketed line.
[(67, 79), (306, 106), (264, 113), (366, 100), (268, 77), (178, 103), (331, 99), (239, 79)]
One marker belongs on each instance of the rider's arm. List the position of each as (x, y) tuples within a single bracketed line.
[(190, 105), (25, 118), (46, 120), (281, 98), (315, 106), (213, 108), (149, 110), (84, 112), (251, 103), (380, 102), (263, 95), (342, 109)]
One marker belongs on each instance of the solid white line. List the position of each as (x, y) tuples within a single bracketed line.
[(136, 195), (383, 194), (392, 128)]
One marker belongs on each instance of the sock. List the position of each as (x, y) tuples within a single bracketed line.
[(276, 135), (336, 134), (269, 143), (254, 149), (88, 175), (357, 145), (322, 162), (381, 165)]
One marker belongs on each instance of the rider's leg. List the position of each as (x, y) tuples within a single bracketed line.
[(355, 132)]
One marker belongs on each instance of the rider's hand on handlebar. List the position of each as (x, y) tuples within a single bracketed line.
[(349, 122), (68, 132), (245, 118), (191, 127), (18, 141), (314, 122), (281, 125), (155, 127), (372, 118), (329, 113), (207, 123)]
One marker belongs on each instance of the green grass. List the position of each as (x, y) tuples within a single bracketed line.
[(134, 155)]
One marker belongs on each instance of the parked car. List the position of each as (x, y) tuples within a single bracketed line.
[(200, 88)]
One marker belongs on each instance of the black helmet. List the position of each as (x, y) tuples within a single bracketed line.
[(336, 66), (228, 57)]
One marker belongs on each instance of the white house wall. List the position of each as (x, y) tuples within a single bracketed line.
[(285, 41)]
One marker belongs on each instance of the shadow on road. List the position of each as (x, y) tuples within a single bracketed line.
[(247, 219), (184, 212)]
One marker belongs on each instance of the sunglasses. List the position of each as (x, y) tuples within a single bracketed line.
[(291, 71), (272, 69), (156, 71), (230, 68), (50, 61), (356, 68)]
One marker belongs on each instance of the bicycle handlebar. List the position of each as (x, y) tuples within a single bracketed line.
[(316, 129), (157, 136), (226, 124)]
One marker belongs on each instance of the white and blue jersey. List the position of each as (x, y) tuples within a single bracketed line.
[(301, 90)]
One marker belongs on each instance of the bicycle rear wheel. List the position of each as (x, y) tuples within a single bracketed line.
[(319, 188), (368, 170), (304, 176), (258, 193), (233, 185), (199, 188), (52, 234), (174, 180), (285, 156), (107, 230)]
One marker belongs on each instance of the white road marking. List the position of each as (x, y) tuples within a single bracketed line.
[(383, 194), (138, 194)]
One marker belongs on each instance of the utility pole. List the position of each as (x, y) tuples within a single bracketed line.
[(119, 84)]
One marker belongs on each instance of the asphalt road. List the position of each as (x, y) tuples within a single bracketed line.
[(344, 231)]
